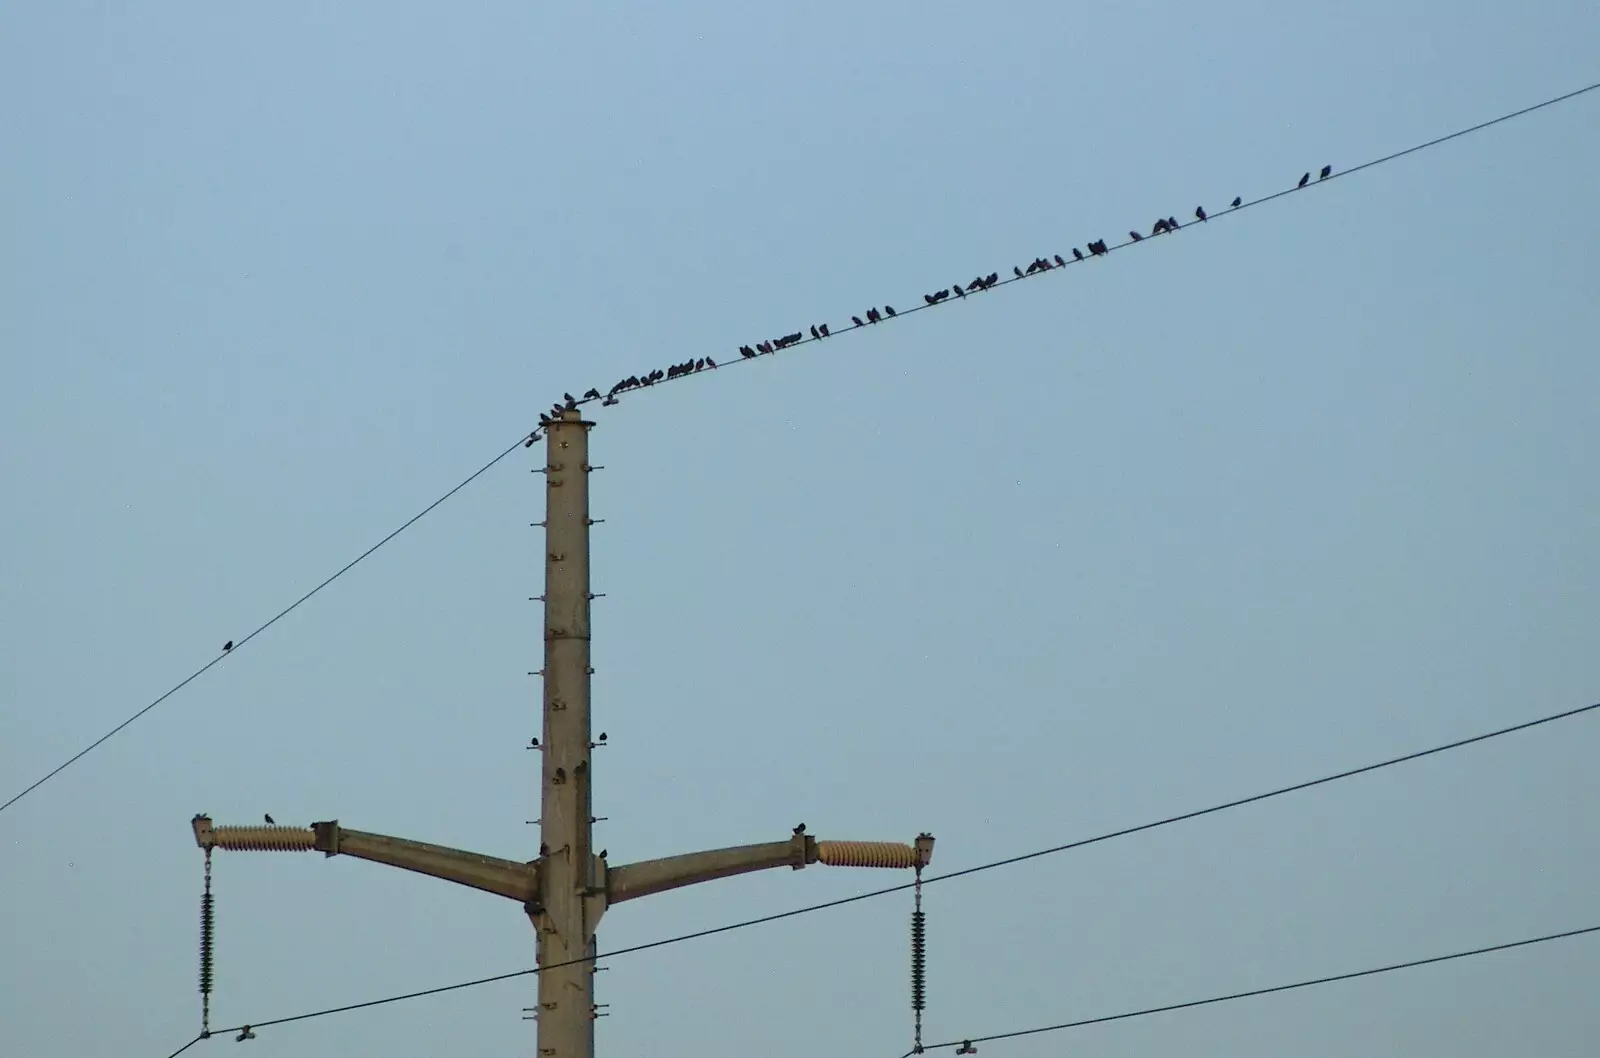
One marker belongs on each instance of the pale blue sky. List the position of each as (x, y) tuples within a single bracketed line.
[(1275, 497)]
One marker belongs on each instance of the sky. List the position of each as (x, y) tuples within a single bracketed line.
[(1289, 492)]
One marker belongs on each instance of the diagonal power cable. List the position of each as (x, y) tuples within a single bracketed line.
[(1124, 832), (804, 341), (1147, 1011)]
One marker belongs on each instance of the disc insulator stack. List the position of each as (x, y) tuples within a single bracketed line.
[(918, 962)]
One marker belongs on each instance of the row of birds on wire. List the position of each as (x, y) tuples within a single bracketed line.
[(819, 331)]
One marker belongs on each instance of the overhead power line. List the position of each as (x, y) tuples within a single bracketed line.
[(181, 684), (1147, 1011), (610, 399), (764, 919)]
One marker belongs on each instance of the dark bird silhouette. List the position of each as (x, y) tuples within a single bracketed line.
[(569, 398), (746, 352), (1238, 200), (959, 292), (1017, 271), (602, 854), (269, 820), (1077, 254), (1304, 180), (801, 829), (544, 420), (930, 299), (765, 347), (857, 321), (1327, 171), (602, 736), (710, 362), (593, 394), (815, 334), (1199, 213), (1135, 236), (873, 316), (533, 742), (1034, 267), (227, 646), (1160, 227), (1061, 261), (994, 277), (889, 309), (244, 1034), (561, 775), (823, 328), (1172, 224)]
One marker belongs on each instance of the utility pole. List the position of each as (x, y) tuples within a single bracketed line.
[(567, 889), (572, 905)]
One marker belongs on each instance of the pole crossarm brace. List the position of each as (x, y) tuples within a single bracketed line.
[(520, 881), (508, 878), (655, 876)]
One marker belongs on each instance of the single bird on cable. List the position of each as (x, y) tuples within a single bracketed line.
[(815, 334), (1237, 201), (873, 316), (1135, 236), (1160, 227), (959, 292), (227, 646), (1199, 213), (1172, 224), (1016, 271), (746, 352), (270, 821), (821, 327), (857, 321), (593, 394), (888, 309), (994, 277), (1304, 180), (1327, 171), (1061, 261), (1077, 254), (710, 362)]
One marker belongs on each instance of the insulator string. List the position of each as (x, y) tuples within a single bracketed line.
[(919, 951), (208, 924)]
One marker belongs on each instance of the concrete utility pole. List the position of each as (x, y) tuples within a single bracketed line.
[(567, 889), (572, 903)]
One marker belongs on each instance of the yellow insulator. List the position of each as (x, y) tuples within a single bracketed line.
[(866, 854), (264, 839)]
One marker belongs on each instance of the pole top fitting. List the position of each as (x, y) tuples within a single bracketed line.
[(924, 847)]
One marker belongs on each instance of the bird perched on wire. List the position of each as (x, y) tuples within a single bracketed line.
[(1136, 237), (1199, 213), (593, 394), (1237, 201), (270, 821), (888, 310), (1327, 171), (1304, 180), (1077, 254), (227, 646), (857, 321)]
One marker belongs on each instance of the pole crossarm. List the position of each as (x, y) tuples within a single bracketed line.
[(654, 876), (508, 878)]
